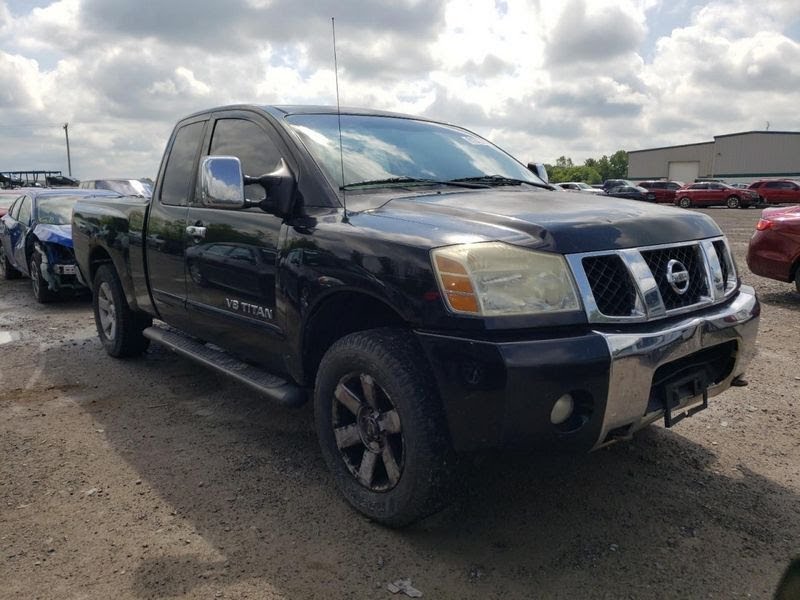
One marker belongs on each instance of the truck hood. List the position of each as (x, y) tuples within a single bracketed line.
[(54, 234), (546, 220)]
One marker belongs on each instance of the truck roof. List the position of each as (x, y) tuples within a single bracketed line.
[(283, 110)]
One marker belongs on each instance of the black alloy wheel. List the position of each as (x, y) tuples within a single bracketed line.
[(381, 427), (368, 432)]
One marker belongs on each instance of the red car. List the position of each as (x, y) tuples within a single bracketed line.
[(777, 191), (774, 249), (662, 190), (712, 193)]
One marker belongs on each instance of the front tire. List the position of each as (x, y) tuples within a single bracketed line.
[(381, 427), (119, 328), (732, 202), (40, 287), (685, 202)]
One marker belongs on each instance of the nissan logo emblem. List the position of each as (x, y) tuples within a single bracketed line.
[(678, 277)]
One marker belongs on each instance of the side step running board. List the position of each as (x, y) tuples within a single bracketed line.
[(277, 389)]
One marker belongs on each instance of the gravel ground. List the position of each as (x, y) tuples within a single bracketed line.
[(151, 478)]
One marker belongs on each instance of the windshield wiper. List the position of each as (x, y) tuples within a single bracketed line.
[(492, 180), (421, 181)]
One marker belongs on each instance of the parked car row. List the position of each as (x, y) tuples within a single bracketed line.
[(701, 193)]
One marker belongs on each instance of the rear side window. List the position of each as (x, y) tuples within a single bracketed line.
[(180, 169), (251, 145), (14, 210), (24, 212)]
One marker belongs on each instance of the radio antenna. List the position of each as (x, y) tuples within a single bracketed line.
[(339, 119)]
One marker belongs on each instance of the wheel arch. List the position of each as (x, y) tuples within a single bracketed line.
[(337, 315), (100, 255)]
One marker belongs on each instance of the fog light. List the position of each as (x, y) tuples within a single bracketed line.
[(562, 409)]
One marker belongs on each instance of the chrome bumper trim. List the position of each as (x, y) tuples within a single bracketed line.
[(636, 356)]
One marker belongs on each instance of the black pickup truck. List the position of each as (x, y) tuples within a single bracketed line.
[(431, 294)]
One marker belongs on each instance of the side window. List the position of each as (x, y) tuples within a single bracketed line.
[(180, 169), (251, 145), (13, 211), (243, 254), (24, 214), (218, 249)]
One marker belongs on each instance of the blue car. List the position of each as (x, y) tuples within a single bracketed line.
[(36, 240)]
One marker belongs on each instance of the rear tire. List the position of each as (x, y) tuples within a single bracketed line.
[(797, 279), (41, 289), (685, 202), (732, 202), (119, 328), (381, 427), (7, 270)]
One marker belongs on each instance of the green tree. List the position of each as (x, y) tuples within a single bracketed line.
[(593, 170), (619, 164), (564, 162)]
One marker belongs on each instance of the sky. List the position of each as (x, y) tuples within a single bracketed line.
[(540, 78)]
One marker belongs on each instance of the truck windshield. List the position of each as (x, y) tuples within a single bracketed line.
[(126, 187), (55, 210), (393, 149)]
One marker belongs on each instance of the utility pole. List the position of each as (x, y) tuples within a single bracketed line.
[(69, 160)]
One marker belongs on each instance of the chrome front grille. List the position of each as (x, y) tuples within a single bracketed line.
[(642, 284), (613, 289), (688, 256)]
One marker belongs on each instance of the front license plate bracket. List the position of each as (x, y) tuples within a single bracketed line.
[(678, 391)]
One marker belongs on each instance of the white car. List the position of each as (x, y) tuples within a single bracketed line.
[(579, 186)]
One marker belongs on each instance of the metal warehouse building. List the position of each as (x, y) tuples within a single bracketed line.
[(734, 157)]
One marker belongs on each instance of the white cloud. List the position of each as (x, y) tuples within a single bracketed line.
[(543, 79)]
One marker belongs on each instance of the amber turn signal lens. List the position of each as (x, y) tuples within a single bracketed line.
[(463, 302), (763, 224), (457, 283), (448, 265)]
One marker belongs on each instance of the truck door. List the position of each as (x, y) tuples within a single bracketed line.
[(236, 306), (165, 235)]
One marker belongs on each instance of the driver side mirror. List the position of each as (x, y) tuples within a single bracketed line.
[(279, 188), (539, 170), (222, 186), (221, 182)]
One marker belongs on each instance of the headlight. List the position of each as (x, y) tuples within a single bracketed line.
[(497, 279)]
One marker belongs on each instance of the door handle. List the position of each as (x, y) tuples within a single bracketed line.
[(196, 232)]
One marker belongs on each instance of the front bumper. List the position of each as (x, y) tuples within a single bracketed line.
[(499, 393), (59, 269)]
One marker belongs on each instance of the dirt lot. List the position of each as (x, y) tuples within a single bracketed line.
[(152, 478)]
